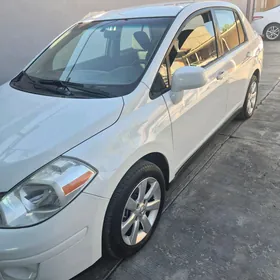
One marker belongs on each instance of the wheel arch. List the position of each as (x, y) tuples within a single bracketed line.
[(257, 73), (161, 161)]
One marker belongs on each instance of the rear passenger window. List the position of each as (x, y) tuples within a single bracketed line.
[(240, 29), (195, 45), (228, 29)]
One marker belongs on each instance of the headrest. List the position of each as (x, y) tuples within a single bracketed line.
[(143, 40)]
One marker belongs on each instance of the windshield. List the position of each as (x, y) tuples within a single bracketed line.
[(111, 56)]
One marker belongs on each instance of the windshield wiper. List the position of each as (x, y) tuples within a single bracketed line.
[(61, 87), (64, 88), (68, 85), (36, 84)]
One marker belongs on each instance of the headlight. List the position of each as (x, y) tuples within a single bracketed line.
[(45, 193)]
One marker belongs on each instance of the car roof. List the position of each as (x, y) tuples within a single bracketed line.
[(171, 9)]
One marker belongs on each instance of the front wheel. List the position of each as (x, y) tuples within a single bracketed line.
[(134, 210), (272, 32), (251, 100)]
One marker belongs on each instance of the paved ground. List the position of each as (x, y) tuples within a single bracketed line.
[(221, 220)]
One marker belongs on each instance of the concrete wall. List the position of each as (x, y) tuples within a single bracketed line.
[(26, 26)]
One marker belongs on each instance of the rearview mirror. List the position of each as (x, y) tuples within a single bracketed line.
[(189, 77)]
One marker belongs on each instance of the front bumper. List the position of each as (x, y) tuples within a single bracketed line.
[(59, 248)]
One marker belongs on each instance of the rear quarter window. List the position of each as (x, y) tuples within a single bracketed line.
[(240, 28)]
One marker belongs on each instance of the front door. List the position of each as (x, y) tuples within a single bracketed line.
[(195, 114)]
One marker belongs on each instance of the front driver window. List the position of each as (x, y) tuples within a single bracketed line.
[(196, 44)]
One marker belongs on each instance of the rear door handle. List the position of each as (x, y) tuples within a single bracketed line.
[(249, 54), (221, 75)]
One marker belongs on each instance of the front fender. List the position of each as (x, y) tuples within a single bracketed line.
[(143, 128)]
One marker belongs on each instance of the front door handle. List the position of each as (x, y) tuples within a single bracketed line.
[(221, 75)]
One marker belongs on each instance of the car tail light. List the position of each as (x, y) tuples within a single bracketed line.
[(257, 17)]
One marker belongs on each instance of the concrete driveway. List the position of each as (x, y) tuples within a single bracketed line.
[(222, 215)]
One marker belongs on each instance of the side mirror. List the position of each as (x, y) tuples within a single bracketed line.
[(189, 77)]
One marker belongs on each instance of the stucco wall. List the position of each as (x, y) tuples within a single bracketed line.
[(26, 26)]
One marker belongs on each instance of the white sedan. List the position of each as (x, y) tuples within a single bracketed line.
[(94, 129), (267, 23)]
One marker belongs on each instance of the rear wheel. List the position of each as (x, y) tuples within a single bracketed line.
[(134, 210), (272, 32), (251, 100)]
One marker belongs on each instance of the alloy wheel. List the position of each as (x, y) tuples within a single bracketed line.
[(141, 211), (252, 98), (273, 32)]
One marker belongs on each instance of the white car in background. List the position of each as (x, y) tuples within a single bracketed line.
[(267, 24), (94, 129)]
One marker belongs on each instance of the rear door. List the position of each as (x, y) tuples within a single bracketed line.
[(237, 51)]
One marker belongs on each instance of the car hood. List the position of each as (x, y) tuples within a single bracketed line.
[(35, 129)]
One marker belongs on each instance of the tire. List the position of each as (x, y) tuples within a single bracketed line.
[(250, 103), (118, 238), (272, 32)]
